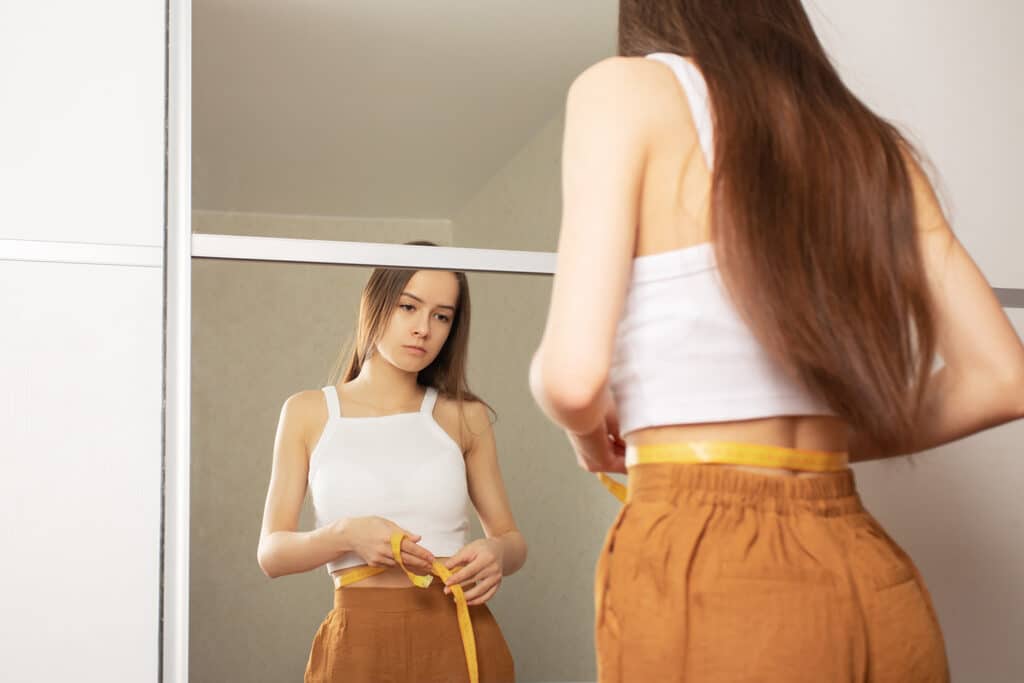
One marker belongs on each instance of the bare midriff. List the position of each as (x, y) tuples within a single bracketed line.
[(814, 433)]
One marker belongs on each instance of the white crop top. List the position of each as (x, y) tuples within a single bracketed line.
[(403, 467), (683, 354)]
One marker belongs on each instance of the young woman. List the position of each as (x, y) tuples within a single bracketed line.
[(754, 278), (392, 456)]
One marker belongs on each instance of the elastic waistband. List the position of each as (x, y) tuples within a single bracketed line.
[(411, 599), (830, 494)]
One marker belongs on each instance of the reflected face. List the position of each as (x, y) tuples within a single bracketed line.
[(421, 321)]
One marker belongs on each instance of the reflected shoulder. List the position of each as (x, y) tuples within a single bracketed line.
[(304, 408)]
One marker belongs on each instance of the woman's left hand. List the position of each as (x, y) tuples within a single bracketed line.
[(483, 568)]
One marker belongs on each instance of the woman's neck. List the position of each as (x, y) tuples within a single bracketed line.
[(386, 385)]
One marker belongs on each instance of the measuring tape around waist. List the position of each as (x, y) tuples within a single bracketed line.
[(356, 574), (726, 453)]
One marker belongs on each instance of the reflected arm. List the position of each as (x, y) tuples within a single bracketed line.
[(283, 550), (487, 490)]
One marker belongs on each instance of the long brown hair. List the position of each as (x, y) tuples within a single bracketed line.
[(813, 213), (447, 372)]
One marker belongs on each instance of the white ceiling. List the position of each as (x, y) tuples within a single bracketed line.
[(376, 107)]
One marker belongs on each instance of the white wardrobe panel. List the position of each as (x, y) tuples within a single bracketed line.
[(949, 72), (959, 512), (82, 86), (80, 409)]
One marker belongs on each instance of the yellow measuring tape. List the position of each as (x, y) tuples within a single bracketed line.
[(355, 574), (727, 453)]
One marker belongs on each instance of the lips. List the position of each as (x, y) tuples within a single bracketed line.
[(415, 349)]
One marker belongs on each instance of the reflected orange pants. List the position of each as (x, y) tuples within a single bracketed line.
[(403, 635), (714, 575)]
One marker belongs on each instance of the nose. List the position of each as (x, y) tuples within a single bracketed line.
[(422, 327)]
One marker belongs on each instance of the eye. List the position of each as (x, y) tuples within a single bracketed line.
[(444, 318), (407, 307)]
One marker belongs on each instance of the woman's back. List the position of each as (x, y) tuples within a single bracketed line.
[(675, 220)]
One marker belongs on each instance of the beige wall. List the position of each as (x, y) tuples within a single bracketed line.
[(520, 206)]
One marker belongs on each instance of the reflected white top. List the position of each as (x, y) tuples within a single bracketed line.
[(403, 467), (683, 354)]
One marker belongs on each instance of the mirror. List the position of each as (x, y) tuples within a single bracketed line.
[(363, 120), (261, 332)]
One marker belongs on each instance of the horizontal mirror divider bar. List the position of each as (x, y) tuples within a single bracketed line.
[(371, 254)]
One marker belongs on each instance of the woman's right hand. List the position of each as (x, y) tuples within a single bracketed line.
[(370, 539), (603, 449)]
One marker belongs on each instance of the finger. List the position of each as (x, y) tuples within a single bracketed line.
[(484, 598), (467, 574), (612, 424), (383, 560), (618, 464), (414, 563), (418, 551), (481, 589), (464, 556), (409, 536)]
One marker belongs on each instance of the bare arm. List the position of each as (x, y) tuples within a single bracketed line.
[(487, 491), (503, 551), (603, 160), (982, 382), (282, 549)]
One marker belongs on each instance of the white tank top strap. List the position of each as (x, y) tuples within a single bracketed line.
[(696, 89), (429, 399), (333, 406)]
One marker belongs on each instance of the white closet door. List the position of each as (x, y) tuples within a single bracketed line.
[(80, 406), (82, 92)]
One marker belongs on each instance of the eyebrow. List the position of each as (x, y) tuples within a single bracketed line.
[(413, 296)]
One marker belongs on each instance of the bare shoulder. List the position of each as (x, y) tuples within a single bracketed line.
[(477, 416), (623, 75), (625, 82), (449, 414), (633, 97), (304, 410)]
